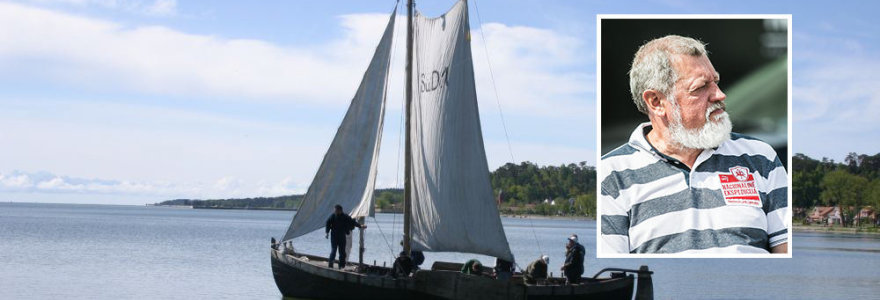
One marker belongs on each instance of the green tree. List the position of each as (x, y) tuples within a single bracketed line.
[(840, 188)]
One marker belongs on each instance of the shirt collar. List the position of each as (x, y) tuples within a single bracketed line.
[(638, 140)]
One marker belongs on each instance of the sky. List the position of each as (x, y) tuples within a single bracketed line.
[(140, 101)]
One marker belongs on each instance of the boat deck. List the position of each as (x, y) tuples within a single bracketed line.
[(442, 281)]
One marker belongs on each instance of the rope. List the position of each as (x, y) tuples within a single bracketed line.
[(393, 257), (400, 127), (494, 87), (500, 112), (394, 38)]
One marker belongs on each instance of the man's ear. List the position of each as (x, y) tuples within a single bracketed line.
[(652, 102)]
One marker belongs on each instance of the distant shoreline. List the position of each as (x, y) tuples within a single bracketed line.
[(245, 208), (544, 217), (836, 229), (524, 216), (217, 207)]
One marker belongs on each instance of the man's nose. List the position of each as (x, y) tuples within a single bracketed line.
[(718, 95)]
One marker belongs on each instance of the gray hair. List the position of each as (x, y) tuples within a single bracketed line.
[(652, 66)]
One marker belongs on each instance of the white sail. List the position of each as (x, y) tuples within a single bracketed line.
[(452, 207), (347, 175)]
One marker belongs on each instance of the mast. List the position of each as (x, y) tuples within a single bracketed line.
[(407, 184), (361, 249)]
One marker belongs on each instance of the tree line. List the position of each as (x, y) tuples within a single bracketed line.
[(524, 188), (282, 202), (527, 188), (850, 185)]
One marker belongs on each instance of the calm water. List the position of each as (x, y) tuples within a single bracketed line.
[(113, 252)]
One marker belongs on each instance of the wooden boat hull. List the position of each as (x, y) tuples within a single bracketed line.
[(299, 279), (305, 276)]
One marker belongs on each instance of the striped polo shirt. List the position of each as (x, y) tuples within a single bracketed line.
[(733, 200)]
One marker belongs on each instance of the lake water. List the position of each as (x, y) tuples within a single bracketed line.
[(123, 252)]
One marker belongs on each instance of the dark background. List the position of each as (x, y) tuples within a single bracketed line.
[(750, 55)]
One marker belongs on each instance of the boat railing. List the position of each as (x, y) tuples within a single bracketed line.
[(645, 285), (641, 271)]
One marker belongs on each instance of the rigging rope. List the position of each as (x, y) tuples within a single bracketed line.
[(397, 183), (500, 113), (400, 124), (393, 257), (494, 87), (400, 127)]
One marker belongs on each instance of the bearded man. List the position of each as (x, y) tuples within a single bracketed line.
[(684, 183)]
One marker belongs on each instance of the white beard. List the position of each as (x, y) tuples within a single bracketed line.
[(711, 135)]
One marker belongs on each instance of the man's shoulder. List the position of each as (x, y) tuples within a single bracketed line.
[(734, 136), (742, 138), (750, 145), (622, 150)]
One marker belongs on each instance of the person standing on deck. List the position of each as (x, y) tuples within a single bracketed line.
[(337, 227), (574, 260)]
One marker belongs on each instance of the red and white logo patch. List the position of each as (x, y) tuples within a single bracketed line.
[(738, 187)]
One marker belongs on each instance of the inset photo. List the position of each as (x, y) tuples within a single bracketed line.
[(694, 131)]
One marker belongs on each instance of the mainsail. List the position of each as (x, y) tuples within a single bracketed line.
[(452, 208), (347, 175)]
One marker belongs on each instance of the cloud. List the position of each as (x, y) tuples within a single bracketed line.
[(532, 66), (836, 89), (538, 71), (103, 55), (162, 8), (113, 102), (225, 187), (150, 144), (836, 100)]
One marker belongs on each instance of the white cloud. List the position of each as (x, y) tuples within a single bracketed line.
[(836, 100), (144, 143), (226, 187), (837, 89), (533, 67), (159, 60), (163, 148), (162, 8), (538, 72)]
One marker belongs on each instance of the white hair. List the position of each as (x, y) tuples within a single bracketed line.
[(652, 66)]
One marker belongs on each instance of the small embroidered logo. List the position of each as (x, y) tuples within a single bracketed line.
[(741, 173)]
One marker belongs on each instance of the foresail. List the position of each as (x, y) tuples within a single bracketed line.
[(347, 175), (453, 207)]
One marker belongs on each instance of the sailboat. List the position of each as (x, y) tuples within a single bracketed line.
[(448, 201)]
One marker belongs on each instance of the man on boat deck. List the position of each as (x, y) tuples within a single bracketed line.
[(338, 226), (574, 260), (503, 269), (684, 183), (472, 267), (537, 270)]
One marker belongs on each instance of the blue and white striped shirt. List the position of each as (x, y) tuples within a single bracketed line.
[(733, 200)]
